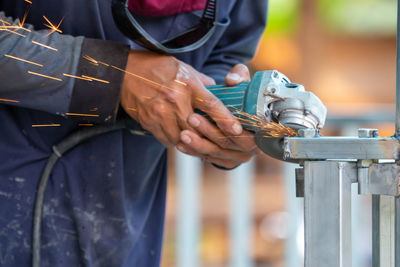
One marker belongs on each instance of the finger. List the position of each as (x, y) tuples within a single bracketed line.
[(205, 101), (223, 163), (204, 147), (220, 162), (238, 74), (206, 80), (205, 128), (243, 142)]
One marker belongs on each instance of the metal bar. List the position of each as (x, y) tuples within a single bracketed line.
[(188, 209), (341, 148), (327, 213), (240, 221), (383, 229), (375, 231), (398, 72), (397, 133), (397, 231), (294, 208)]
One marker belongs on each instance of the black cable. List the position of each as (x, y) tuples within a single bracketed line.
[(58, 151)]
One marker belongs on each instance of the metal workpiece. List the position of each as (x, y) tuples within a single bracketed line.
[(310, 146), (340, 148), (379, 179), (383, 231), (327, 212)]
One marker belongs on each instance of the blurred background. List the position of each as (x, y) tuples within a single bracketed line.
[(344, 52)]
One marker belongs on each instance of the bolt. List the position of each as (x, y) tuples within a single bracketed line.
[(367, 133), (275, 74), (273, 90), (307, 132)]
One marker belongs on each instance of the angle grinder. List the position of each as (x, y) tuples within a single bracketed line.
[(271, 97)]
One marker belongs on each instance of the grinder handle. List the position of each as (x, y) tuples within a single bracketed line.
[(233, 97)]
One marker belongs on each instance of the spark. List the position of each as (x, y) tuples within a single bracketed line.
[(5, 27), (143, 78), (184, 84), (45, 76), (9, 100), (30, 2), (77, 77), (52, 26), (85, 124), (95, 79), (94, 109), (13, 32), (133, 109), (90, 59), (94, 61), (21, 23), (83, 115), (46, 125), (270, 129), (24, 60), (5, 22), (45, 46)]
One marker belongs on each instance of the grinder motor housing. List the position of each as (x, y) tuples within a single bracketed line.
[(272, 97)]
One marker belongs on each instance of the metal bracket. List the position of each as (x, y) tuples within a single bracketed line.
[(379, 179)]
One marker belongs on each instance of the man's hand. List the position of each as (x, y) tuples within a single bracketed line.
[(161, 92), (213, 143)]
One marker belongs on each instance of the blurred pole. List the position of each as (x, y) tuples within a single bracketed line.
[(397, 231), (294, 207), (240, 226), (398, 72), (397, 205), (188, 173)]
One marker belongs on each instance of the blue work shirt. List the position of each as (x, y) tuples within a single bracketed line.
[(105, 201)]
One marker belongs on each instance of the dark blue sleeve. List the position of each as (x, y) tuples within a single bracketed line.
[(37, 70), (239, 41)]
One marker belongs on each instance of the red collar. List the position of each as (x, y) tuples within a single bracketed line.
[(159, 8)]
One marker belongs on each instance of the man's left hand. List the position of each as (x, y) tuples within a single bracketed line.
[(210, 143)]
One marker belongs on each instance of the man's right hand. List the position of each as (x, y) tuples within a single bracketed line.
[(161, 92)]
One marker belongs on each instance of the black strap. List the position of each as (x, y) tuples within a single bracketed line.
[(188, 41)]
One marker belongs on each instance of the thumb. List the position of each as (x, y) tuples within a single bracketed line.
[(238, 74)]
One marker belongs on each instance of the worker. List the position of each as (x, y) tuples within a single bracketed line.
[(68, 68)]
